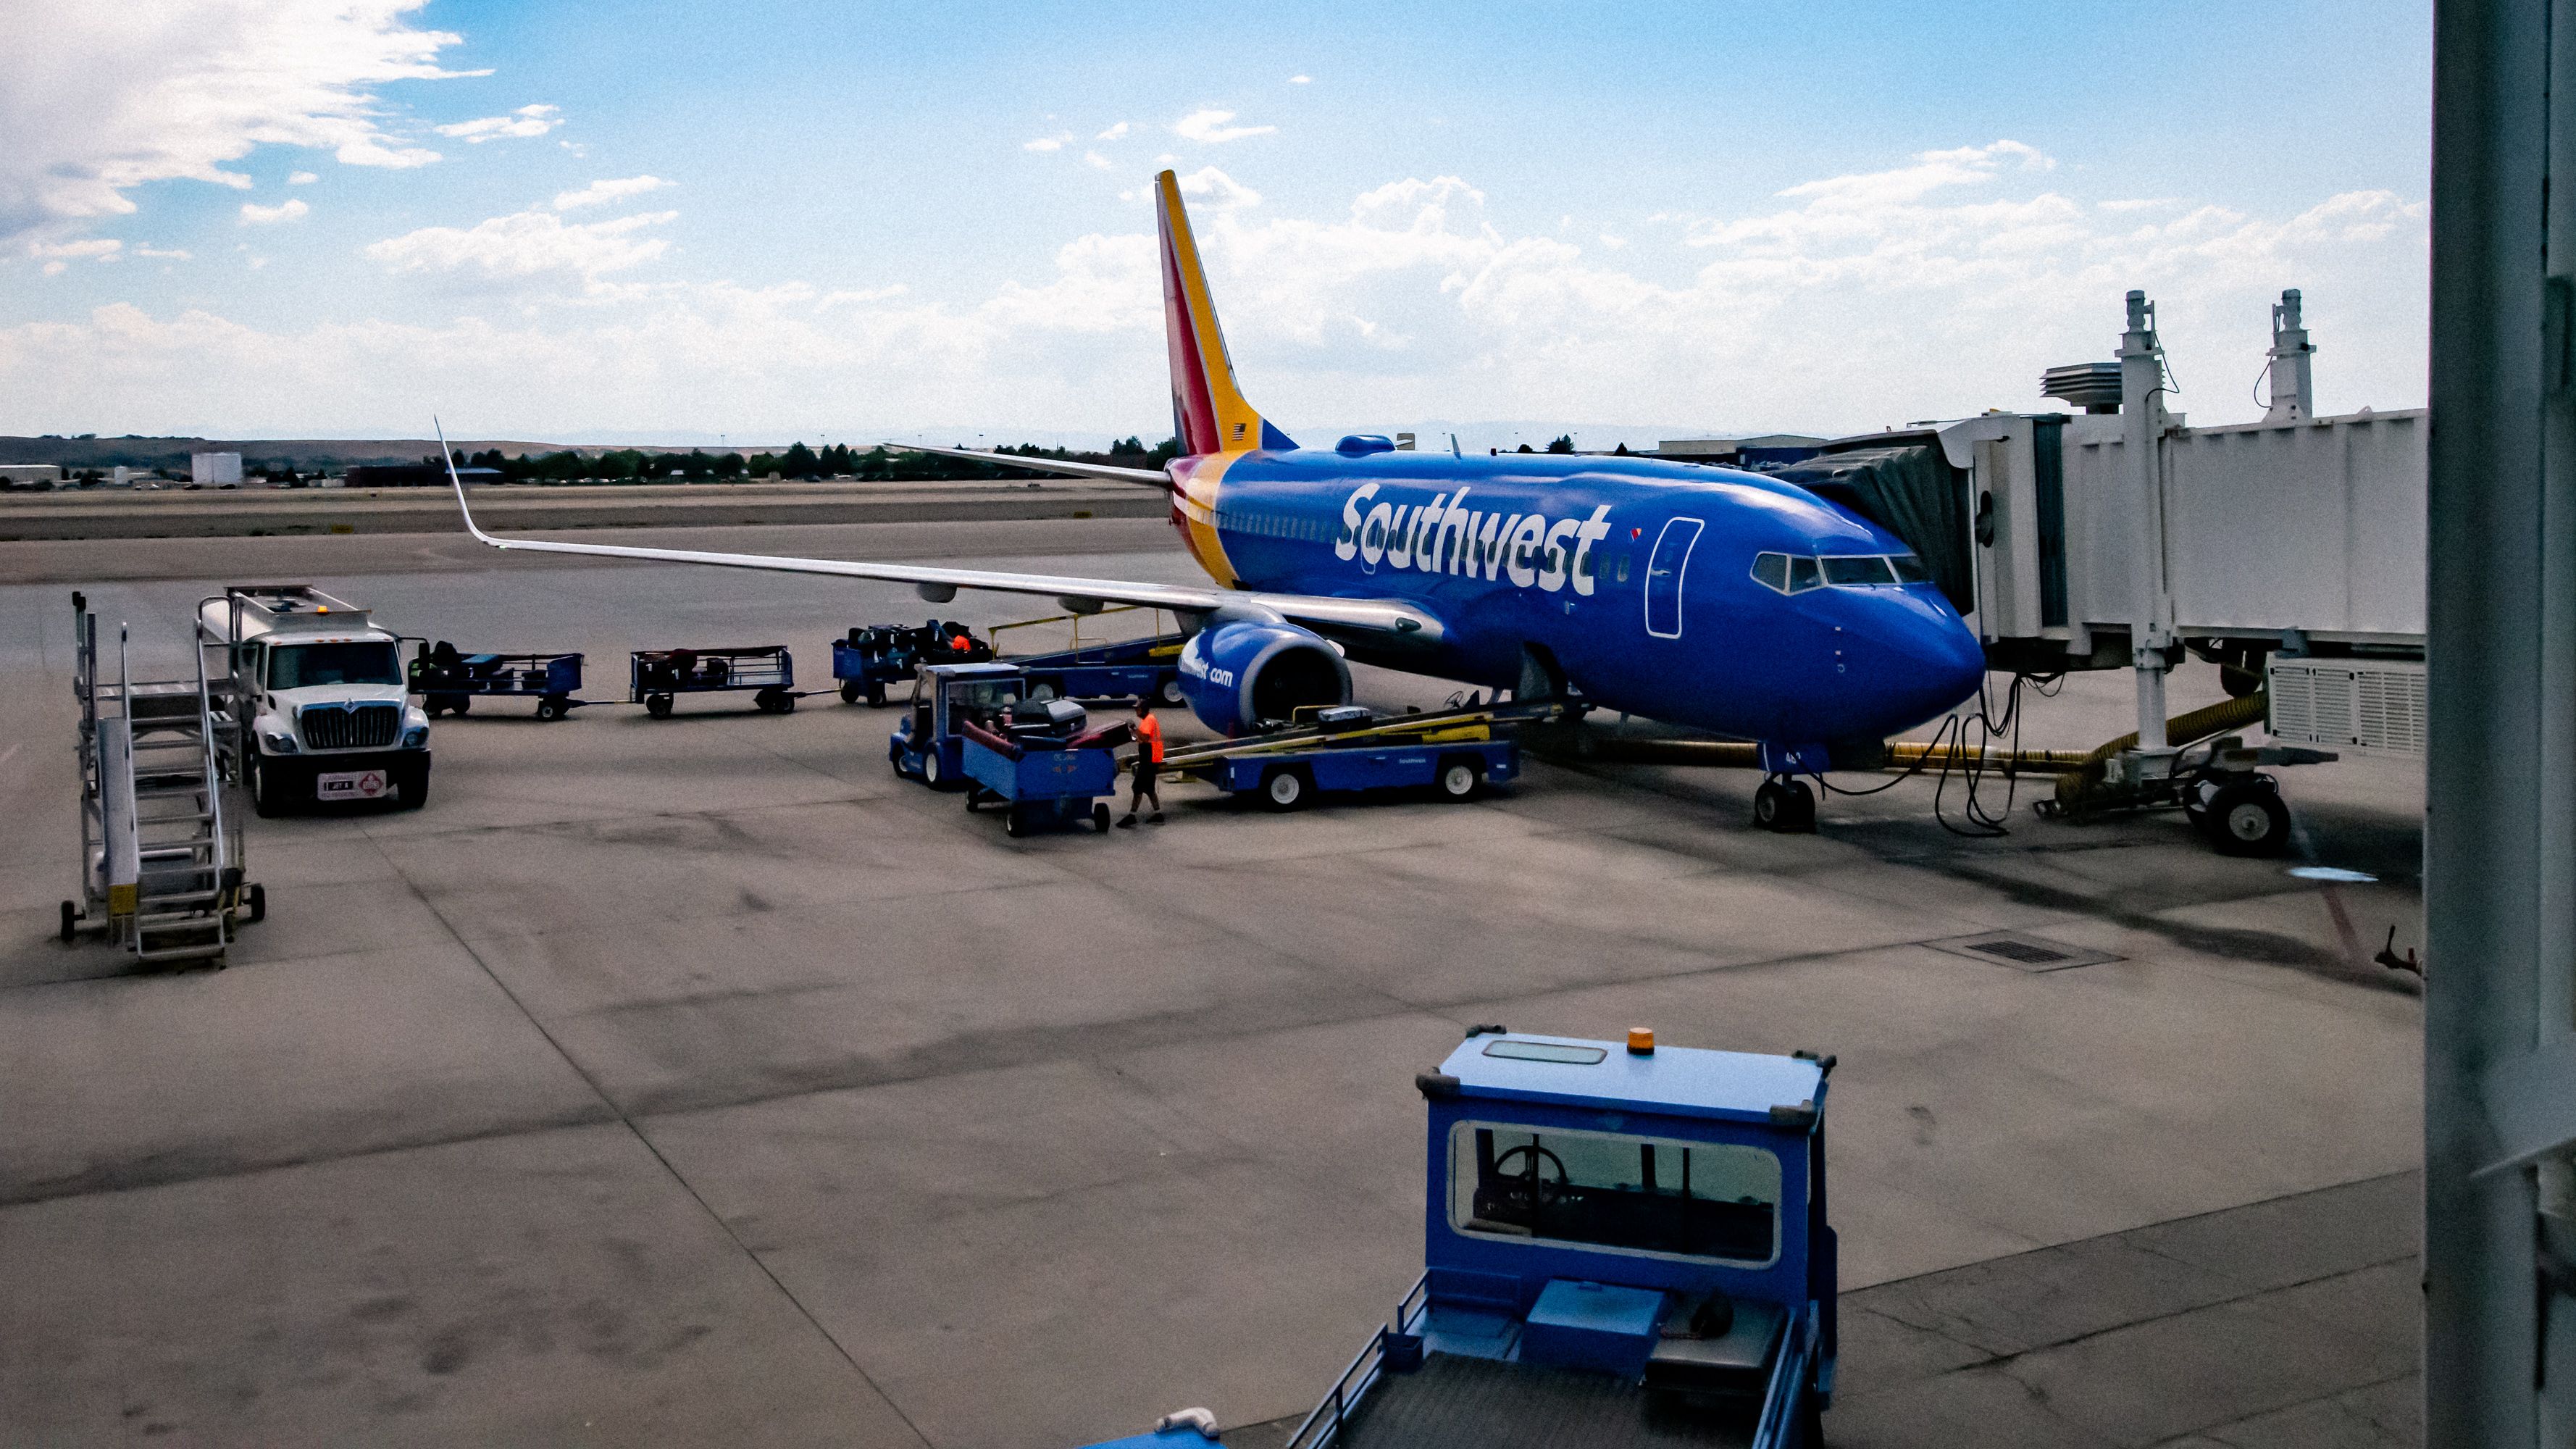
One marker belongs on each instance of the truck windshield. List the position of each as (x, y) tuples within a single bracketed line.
[(1707, 1200), (301, 666)]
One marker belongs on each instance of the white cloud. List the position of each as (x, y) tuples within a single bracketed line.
[(1096, 159), (291, 209), (174, 254), (1847, 304), (1301, 80), (1055, 142), (56, 269), (525, 245), (1117, 132), (1217, 189), (133, 93), (1208, 126), (525, 121), (601, 191), (302, 178), (100, 247)]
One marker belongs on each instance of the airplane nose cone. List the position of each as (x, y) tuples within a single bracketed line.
[(1928, 659)]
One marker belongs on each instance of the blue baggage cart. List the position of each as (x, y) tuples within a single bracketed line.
[(449, 682), (868, 661)]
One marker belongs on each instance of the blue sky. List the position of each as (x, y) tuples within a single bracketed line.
[(1631, 220)]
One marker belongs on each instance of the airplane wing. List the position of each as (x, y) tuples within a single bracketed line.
[(1379, 622), (1149, 477)]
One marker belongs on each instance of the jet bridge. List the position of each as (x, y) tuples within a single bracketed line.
[(2290, 550)]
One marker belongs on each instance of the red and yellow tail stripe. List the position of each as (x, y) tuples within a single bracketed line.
[(1209, 413)]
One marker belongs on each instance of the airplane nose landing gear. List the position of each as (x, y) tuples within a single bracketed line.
[(1785, 804)]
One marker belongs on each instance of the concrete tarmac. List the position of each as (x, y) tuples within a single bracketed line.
[(699, 1080)]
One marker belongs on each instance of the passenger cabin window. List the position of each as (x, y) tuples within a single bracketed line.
[(1711, 1201)]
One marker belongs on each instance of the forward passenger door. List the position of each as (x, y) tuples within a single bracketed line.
[(1664, 570)]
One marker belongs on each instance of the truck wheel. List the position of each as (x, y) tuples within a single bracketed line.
[(1099, 822), (2248, 818), (658, 705), (930, 768), (850, 691), (433, 706), (71, 922), (460, 705), (263, 789), (876, 695), (974, 800), (1284, 789), (258, 903), (550, 708), (415, 791), (1458, 780), (1015, 824), (1170, 692)]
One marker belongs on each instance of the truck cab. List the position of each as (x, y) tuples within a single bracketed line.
[(926, 742), (316, 691)]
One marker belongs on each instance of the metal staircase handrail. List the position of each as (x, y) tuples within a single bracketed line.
[(213, 780)]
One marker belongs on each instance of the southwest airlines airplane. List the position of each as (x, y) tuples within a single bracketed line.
[(1699, 596)]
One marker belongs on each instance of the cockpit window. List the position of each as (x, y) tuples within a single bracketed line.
[(1771, 571), (1802, 574), (1865, 569), (1910, 570)]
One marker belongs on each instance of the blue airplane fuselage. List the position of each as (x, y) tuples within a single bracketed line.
[(1637, 577)]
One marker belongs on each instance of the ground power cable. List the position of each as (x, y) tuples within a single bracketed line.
[(1950, 745)]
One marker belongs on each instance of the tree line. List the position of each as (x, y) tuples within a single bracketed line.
[(839, 460)]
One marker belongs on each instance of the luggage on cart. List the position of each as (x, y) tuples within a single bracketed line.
[(869, 659), (448, 681), (656, 677)]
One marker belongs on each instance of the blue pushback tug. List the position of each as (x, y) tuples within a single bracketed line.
[(1624, 1245)]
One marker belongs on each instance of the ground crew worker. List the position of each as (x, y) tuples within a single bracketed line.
[(1149, 758)]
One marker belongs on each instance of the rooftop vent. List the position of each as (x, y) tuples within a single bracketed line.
[(2092, 386)]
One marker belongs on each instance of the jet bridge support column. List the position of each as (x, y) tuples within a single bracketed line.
[(2142, 441)]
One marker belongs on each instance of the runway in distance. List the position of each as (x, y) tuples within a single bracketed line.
[(1694, 595)]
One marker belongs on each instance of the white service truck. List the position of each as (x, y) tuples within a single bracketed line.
[(316, 691)]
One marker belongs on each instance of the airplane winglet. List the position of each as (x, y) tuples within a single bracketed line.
[(448, 457)]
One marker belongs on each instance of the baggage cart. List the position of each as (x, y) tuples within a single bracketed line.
[(449, 682), (656, 677)]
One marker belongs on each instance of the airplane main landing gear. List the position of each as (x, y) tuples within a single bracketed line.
[(1785, 804)]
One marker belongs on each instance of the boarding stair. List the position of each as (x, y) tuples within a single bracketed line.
[(161, 875)]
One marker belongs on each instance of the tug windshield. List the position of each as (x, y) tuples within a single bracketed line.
[(301, 666), (1704, 1200)]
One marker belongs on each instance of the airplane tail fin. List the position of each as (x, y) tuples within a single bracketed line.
[(1209, 414)]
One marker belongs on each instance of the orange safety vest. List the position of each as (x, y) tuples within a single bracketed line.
[(1149, 733)]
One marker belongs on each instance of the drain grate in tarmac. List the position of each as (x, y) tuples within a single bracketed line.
[(2027, 953)]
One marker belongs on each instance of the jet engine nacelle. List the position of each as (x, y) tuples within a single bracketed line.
[(1241, 674)]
